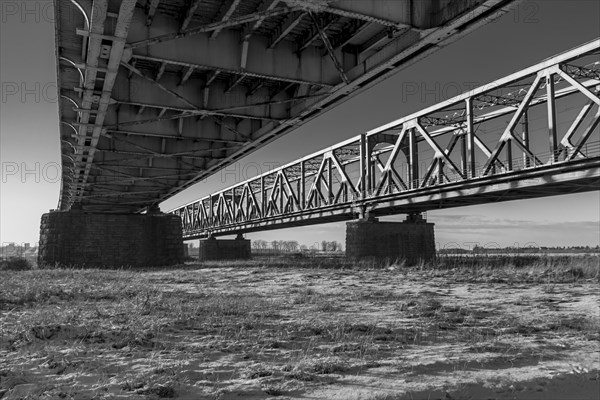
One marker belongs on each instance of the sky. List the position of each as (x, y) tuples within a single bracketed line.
[(533, 31)]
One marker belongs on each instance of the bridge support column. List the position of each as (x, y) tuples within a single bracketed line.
[(78, 238), (412, 239), (213, 249)]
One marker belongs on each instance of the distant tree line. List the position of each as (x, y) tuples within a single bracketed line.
[(292, 245), (280, 245)]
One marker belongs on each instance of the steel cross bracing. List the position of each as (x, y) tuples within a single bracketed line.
[(156, 95), (534, 133)]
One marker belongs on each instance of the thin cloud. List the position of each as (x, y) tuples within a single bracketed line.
[(513, 224), (464, 229)]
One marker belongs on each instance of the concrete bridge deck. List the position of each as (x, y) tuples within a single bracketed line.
[(156, 95)]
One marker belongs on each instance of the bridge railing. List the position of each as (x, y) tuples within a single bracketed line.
[(541, 116)]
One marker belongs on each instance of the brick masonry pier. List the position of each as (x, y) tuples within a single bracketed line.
[(412, 240), (224, 249), (77, 238)]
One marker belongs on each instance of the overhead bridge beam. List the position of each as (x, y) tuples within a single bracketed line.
[(215, 26), (233, 70), (176, 137), (187, 112)]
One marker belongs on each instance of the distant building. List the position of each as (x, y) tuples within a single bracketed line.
[(14, 250)]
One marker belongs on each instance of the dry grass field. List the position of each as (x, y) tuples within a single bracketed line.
[(305, 329)]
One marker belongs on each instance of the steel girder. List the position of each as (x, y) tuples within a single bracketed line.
[(189, 87), (474, 148)]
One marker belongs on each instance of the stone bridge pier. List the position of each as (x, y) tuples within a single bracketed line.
[(213, 249), (412, 240), (78, 238)]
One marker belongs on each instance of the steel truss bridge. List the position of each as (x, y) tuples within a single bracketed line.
[(531, 134), (156, 95)]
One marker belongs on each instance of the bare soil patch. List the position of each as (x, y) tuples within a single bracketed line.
[(302, 330)]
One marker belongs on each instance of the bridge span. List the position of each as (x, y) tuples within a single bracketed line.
[(156, 95), (531, 134)]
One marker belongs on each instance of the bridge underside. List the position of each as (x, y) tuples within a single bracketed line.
[(159, 94)]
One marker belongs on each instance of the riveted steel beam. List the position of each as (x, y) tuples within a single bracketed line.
[(114, 54), (152, 5), (282, 31), (210, 27), (265, 5), (262, 72), (327, 43), (189, 14), (369, 11), (230, 6)]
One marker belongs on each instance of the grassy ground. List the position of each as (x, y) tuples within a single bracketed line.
[(494, 328)]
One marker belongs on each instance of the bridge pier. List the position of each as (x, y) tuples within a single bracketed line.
[(412, 239), (78, 238), (213, 249)]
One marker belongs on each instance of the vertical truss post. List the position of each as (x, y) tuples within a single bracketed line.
[(470, 140), (463, 155), (317, 185), (281, 210), (263, 197), (369, 166), (302, 190), (413, 159), (372, 166), (525, 126), (509, 160), (245, 205), (329, 181), (250, 203), (363, 166), (551, 116), (346, 192), (211, 214), (234, 204), (299, 192)]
